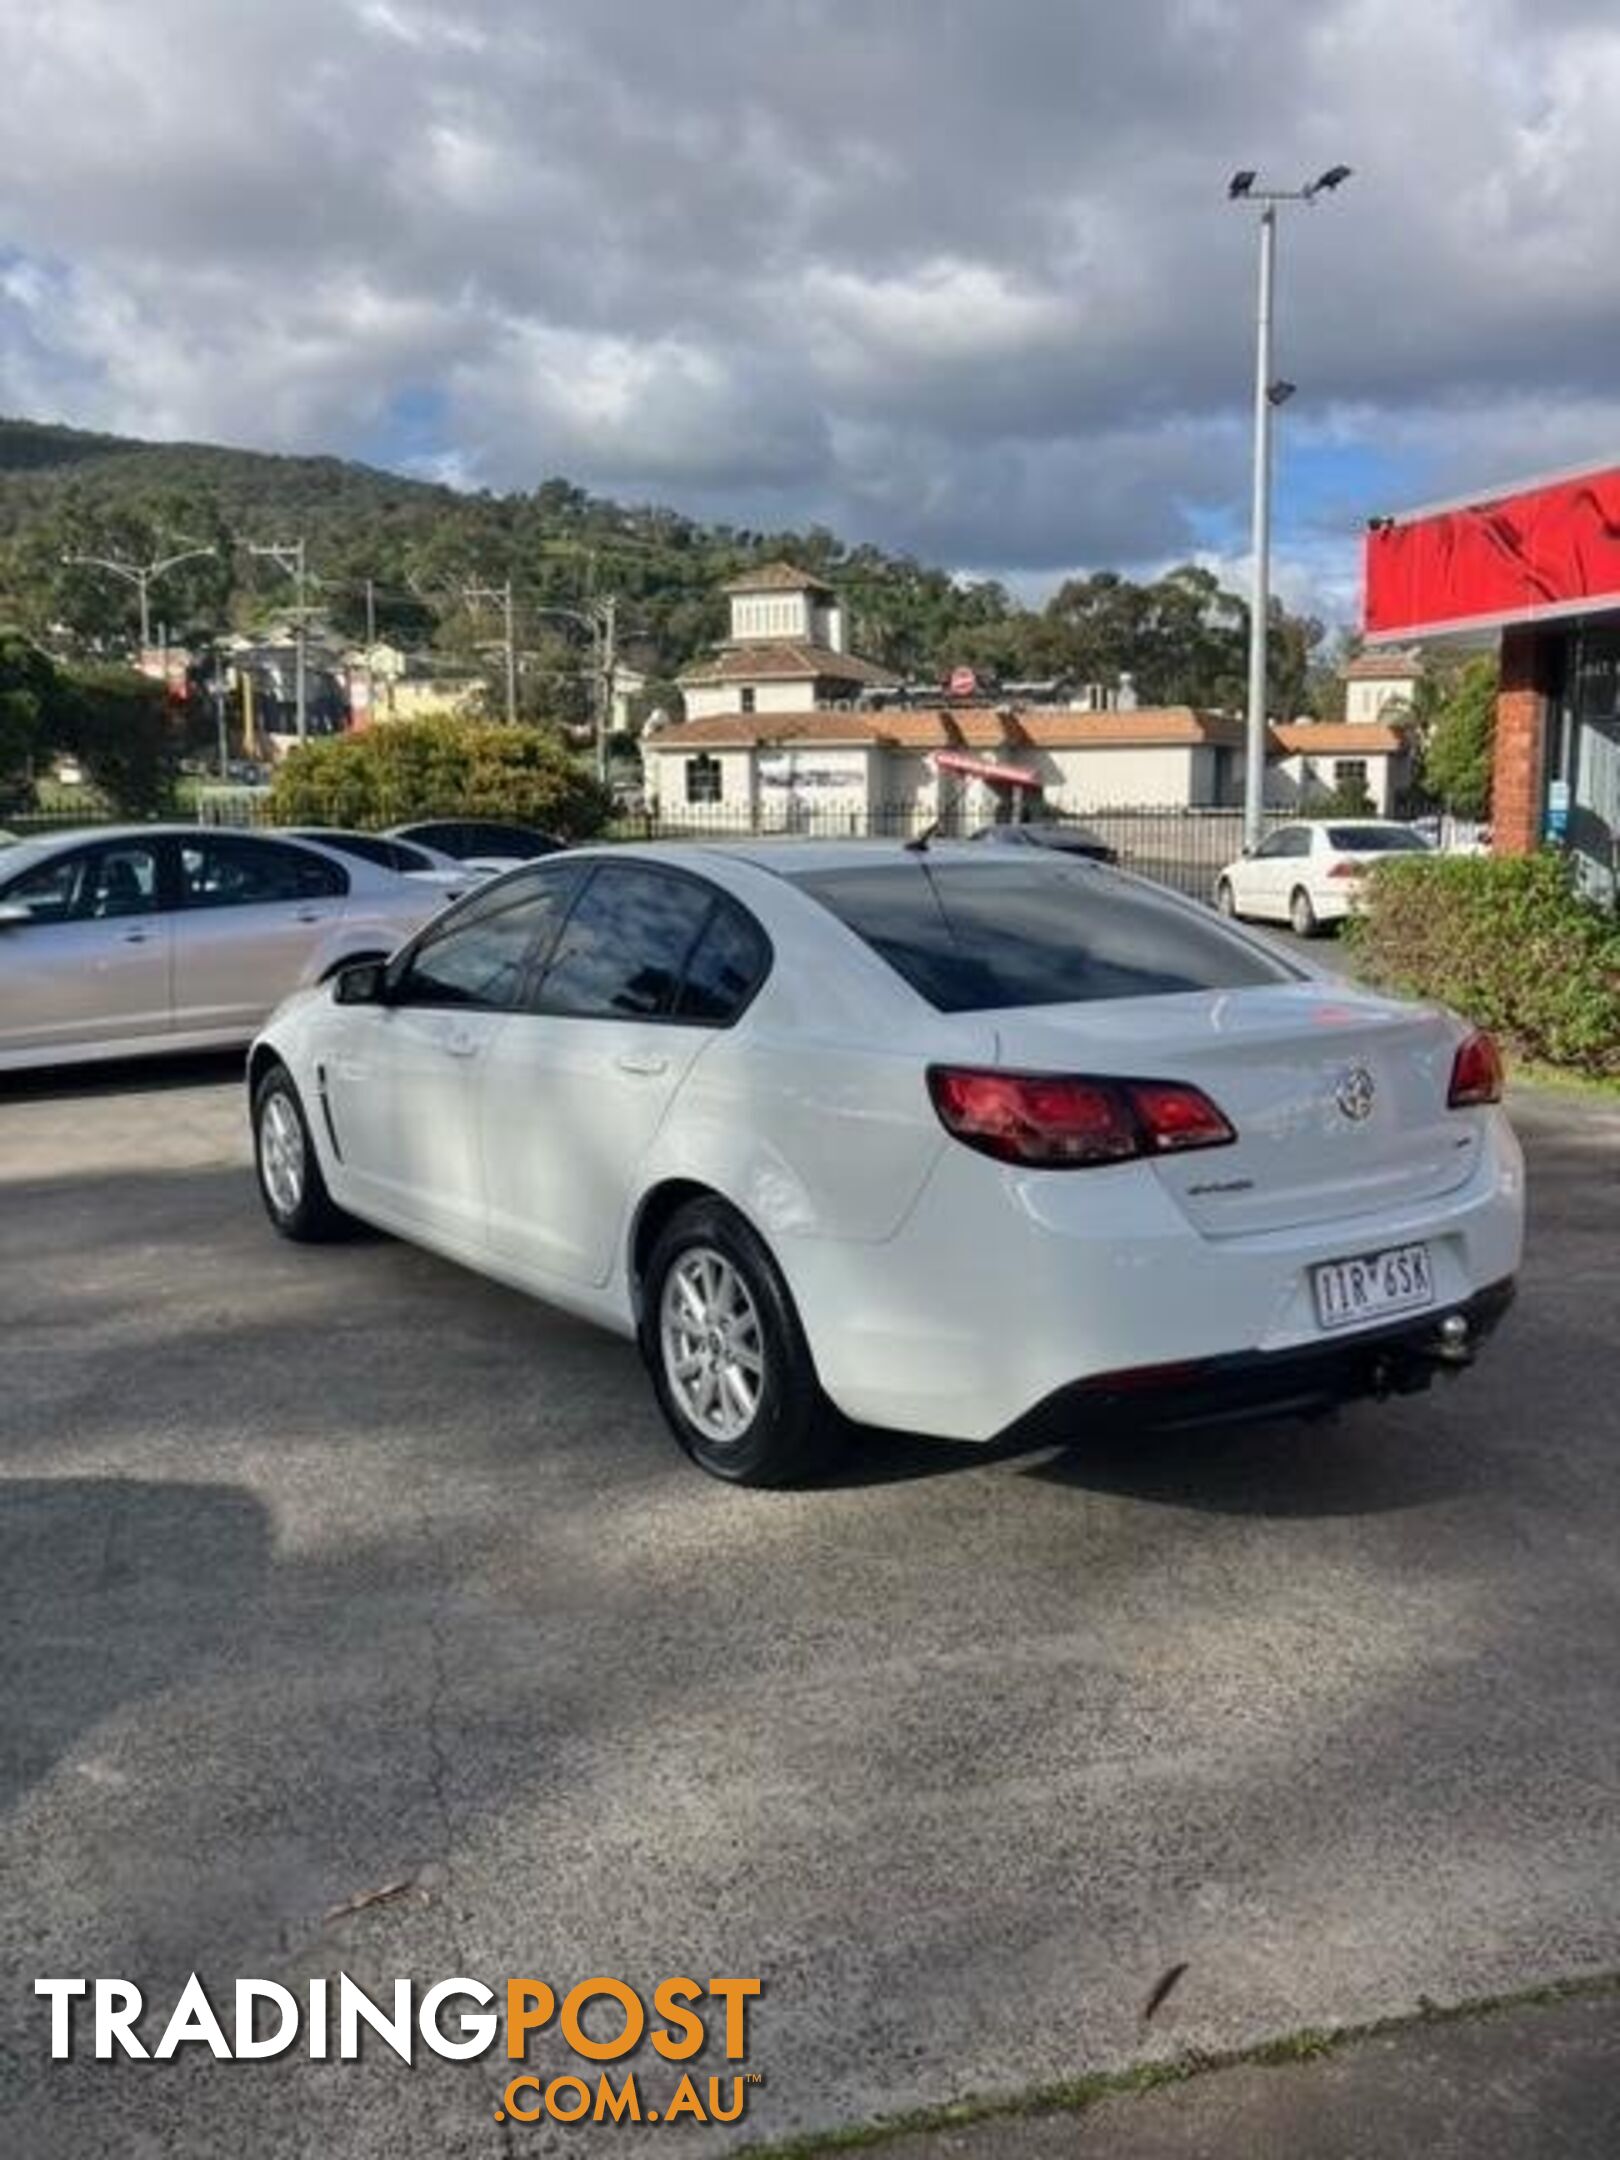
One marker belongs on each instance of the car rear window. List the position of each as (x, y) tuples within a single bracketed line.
[(977, 938), (1376, 840)]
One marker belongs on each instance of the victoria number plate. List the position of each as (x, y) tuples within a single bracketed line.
[(1376, 1285)]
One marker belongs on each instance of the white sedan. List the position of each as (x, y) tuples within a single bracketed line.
[(951, 1140), (124, 941), (1307, 875)]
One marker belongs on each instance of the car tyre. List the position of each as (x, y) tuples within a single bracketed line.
[(727, 1354), (291, 1184), (1226, 899), (1301, 915)]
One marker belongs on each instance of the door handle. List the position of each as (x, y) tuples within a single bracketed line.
[(644, 1064), (309, 914), (460, 1045), (136, 937)]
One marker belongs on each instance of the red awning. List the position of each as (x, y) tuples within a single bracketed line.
[(972, 768)]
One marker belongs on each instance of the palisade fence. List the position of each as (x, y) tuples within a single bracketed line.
[(1181, 848)]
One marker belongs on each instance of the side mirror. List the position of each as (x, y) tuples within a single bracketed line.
[(13, 914), (1249, 849), (366, 983)]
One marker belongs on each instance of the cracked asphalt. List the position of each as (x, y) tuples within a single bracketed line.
[(356, 1615)]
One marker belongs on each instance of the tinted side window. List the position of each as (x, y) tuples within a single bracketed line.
[(368, 847), (231, 870), (486, 952), (1376, 840), (508, 840), (95, 885), (626, 945), (725, 969), (1034, 933)]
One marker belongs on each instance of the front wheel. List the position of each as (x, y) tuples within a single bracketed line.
[(727, 1356), (1301, 914), (290, 1181)]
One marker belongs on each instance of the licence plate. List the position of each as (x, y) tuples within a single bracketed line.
[(1351, 1291)]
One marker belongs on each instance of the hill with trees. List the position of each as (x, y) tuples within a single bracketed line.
[(399, 555)]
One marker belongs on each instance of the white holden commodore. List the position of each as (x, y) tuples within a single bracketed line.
[(955, 1140)]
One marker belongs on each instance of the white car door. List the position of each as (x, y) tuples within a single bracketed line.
[(90, 963), (1270, 872), (400, 1081), (252, 910), (648, 964)]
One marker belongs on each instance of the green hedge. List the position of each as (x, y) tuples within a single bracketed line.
[(439, 768), (1506, 940)]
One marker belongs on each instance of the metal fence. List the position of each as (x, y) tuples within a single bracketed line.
[(1184, 849)]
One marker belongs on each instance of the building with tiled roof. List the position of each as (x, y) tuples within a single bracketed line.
[(787, 651), (1380, 686), (774, 768)]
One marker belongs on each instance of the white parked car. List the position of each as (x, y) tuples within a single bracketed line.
[(1307, 875), (945, 1141), (128, 940), (484, 844)]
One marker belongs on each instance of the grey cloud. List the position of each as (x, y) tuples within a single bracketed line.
[(953, 274)]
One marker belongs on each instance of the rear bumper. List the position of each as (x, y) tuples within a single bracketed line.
[(1401, 1359)]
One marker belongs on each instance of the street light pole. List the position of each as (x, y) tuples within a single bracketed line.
[(140, 575), (1254, 742), (1268, 393)]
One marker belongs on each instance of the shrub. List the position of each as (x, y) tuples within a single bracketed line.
[(439, 768), (1506, 940)]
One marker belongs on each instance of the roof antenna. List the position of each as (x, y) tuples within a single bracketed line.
[(918, 843)]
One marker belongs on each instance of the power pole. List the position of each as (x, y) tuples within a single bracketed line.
[(475, 596), (141, 575), (371, 614), (289, 555), (607, 617)]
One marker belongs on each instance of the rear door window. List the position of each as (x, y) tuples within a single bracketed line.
[(624, 953), (727, 966), (234, 870), (972, 938)]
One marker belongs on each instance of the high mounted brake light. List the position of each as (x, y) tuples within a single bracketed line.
[(1072, 1121)]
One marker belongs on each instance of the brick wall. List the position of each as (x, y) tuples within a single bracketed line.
[(1521, 730)]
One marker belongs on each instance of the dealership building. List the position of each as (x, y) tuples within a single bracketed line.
[(1537, 567)]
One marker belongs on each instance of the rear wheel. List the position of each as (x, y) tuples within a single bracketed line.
[(290, 1181), (727, 1356), (1301, 914), (1225, 897)]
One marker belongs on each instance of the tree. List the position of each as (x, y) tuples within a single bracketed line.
[(439, 768), (120, 727), (1461, 741), (27, 689)]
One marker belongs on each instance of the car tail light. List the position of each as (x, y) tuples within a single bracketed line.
[(1067, 1121), (1344, 868), (1476, 1072)]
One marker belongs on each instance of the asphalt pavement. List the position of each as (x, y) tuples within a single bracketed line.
[(359, 1616)]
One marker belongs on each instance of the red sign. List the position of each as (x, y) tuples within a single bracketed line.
[(972, 768), (1551, 549)]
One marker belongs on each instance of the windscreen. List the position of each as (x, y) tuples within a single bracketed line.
[(976, 938)]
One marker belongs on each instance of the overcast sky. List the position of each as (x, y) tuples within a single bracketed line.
[(957, 276)]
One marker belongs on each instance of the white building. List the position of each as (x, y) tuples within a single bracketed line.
[(786, 652), (1313, 759), (1380, 687), (778, 770)]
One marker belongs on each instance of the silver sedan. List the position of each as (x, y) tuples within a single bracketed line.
[(129, 940)]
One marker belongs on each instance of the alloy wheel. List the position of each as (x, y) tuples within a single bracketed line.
[(281, 1153), (713, 1347)]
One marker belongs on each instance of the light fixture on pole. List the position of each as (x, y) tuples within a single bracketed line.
[(1269, 392)]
